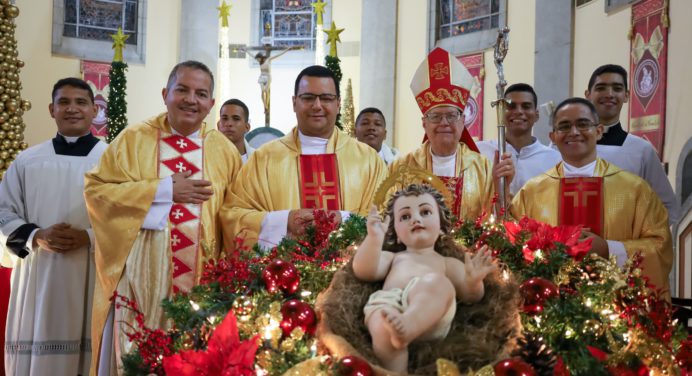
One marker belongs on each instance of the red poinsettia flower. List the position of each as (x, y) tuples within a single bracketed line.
[(544, 236), (225, 355)]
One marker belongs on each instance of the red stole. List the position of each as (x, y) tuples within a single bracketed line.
[(456, 187), (319, 182), (180, 154), (581, 203)]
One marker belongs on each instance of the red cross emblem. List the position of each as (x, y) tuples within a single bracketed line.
[(181, 144), (179, 214), (180, 164), (179, 240)]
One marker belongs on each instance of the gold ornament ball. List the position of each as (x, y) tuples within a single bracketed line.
[(15, 154), (11, 11), (4, 155), (11, 135), (242, 306), (15, 120), (2, 91), (16, 145), (23, 145), (26, 105), (6, 126), (20, 63), (3, 135)]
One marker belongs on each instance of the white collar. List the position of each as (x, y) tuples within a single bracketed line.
[(72, 139), (607, 127), (584, 171), (312, 145)]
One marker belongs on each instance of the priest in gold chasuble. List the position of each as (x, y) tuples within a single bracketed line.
[(441, 86), (315, 166), (153, 201), (620, 211)]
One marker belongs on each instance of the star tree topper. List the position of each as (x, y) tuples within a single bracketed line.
[(332, 38), (224, 12), (118, 43), (319, 10)]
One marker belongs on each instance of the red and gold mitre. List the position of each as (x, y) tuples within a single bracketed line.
[(442, 80)]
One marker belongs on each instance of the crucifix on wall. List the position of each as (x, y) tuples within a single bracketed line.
[(264, 58)]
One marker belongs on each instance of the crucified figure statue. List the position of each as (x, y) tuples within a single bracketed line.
[(264, 57)]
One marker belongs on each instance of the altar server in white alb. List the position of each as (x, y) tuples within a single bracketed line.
[(45, 233), (608, 92), (531, 158)]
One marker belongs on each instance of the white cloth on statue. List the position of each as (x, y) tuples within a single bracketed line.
[(444, 166), (615, 248), (275, 224), (157, 216), (388, 154), (248, 151), (639, 157), (529, 162), (49, 320)]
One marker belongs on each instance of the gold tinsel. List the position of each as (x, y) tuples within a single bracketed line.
[(12, 106), (348, 117)]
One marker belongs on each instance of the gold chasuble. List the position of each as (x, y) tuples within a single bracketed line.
[(631, 212), (472, 187), (149, 265), (278, 177)]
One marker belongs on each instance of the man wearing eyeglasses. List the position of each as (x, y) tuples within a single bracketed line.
[(531, 158), (441, 86), (313, 167), (619, 211), (608, 91)]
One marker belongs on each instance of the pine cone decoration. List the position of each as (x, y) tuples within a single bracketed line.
[(534, 351)]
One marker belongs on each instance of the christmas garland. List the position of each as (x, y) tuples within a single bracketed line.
[(253, 312)]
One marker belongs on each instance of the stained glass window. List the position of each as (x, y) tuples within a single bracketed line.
[(98, 19), (458, 17), (287, 23)]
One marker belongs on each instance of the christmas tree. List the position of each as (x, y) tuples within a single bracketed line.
[(12, 106), (347, 111), (117, 106), (332, 61)]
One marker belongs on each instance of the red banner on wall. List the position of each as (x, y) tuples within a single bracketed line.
[(96, 75), (648, 71), (473, 113)]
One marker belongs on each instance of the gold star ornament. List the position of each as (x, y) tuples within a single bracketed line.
[(224, 12), (118, 44), (332, 38), (319, 10)]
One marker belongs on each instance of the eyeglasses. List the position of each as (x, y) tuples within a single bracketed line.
[(310, 98), (581, 125), (451, 117)]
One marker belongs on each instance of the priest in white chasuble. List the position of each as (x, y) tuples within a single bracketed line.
[(45, 234), (441, 86), (621, 213), (153, 201), (315, 166)]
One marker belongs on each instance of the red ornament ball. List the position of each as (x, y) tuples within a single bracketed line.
[(281, 275), (297, 314), (513, 367), (535, 292), (353, 366)]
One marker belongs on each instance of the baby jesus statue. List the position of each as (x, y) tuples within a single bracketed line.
[(421, 284)]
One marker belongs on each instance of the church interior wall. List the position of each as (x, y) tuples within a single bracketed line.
[(284, 70), (42, 69), (410, 50), (518, 64)]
